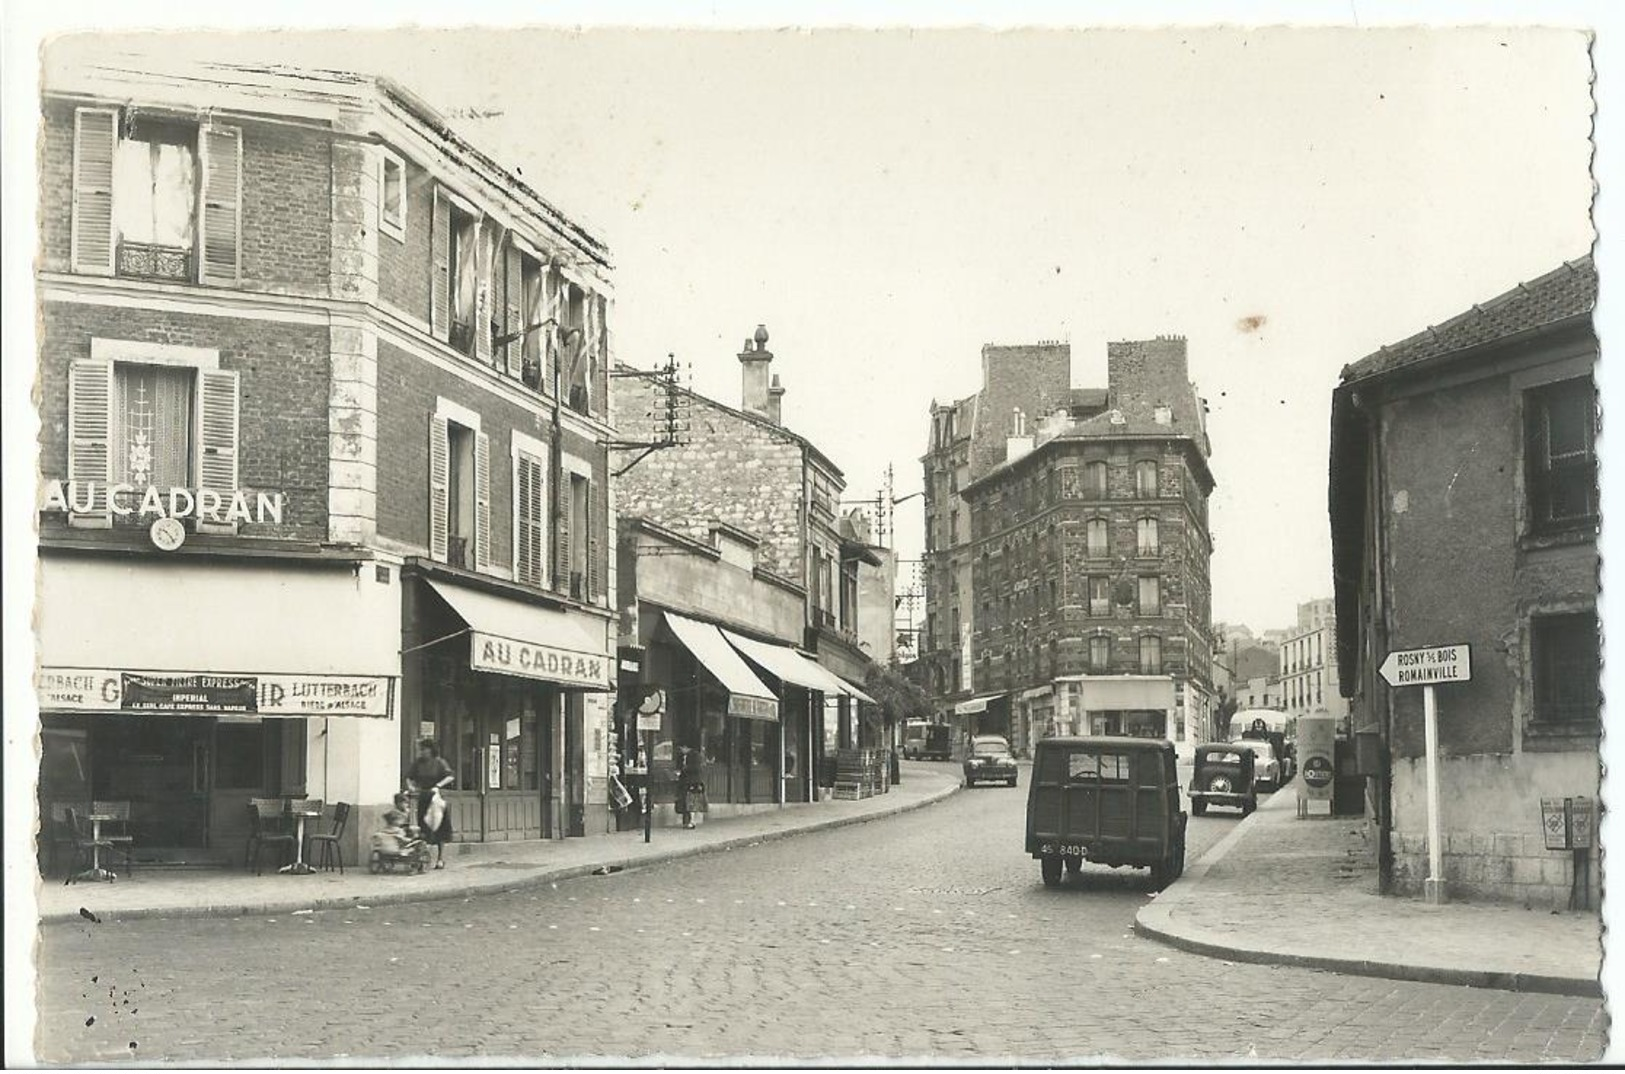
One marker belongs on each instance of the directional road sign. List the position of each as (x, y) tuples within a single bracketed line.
[(1424, 667)]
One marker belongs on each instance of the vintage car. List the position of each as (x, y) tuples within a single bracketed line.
[(1110, 800), (927, 742), (1266, 763), (989, 760), (1224, 777)]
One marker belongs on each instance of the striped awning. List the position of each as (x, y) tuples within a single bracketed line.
[(748, 695)]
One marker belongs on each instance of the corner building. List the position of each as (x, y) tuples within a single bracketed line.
[(1088, 553), (322, 439)]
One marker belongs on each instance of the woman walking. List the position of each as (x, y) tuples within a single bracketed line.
[(692, 783), (428, 774)]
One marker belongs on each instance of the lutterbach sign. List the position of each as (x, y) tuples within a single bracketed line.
[(125, 500)]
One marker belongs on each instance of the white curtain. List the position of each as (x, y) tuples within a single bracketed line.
[(152, 442)]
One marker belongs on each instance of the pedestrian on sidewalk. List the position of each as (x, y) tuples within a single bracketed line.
[(429, 775), (691, 780)]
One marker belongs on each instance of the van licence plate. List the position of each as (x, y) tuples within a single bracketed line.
[(1074, 849)]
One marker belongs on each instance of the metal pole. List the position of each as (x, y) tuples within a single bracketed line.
[(1433, 886), (648, 776)]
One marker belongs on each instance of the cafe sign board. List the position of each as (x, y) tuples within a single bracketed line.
[(533, 660), (209, 693)]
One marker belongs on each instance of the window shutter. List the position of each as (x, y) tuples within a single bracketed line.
[(482, 501), (485, 275), (95, 139), (561, 532), (217, 433), (90, 434), (440, 269), (529, 541), (592, 529), (600, 373), (513, 280), (221, 226), (439, 479)]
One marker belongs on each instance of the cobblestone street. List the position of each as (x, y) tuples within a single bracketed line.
[(924, 936)]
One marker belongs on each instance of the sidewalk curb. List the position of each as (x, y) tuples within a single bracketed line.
[(1155, 921), (544, 875)]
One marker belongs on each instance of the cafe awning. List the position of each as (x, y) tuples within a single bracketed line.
[(509, 637), (783, 662), (975, 705), (748, 696), (859, 694)]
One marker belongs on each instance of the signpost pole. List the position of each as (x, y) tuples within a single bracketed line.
[(648, 797), (1433, 886)]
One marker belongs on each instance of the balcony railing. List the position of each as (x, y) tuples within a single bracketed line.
[(145, 260)]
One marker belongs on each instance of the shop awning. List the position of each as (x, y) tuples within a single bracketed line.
[(512, 638), (975, 705), (859, 694), (748, 696), (783, 662)]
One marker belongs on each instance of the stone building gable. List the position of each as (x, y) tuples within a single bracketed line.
[(735, 469)]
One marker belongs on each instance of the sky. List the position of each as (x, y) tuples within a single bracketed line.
[(886, 202)]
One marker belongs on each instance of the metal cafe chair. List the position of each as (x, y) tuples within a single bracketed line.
[(59, 834), (116, 830), (268, 827), (329, 842)]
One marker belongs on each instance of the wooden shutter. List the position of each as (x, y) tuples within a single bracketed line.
[(95, 140), (593, 529), (561, 530), (529, 518), (600, 374), (484, 282), (513, 281), (439, 480), (90, 434), (220, 225), (440, 268), (217, 428), (482, 501)]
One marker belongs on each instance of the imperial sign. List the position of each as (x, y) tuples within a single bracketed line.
[(1424, 667)]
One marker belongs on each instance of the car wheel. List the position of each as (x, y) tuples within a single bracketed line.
[(1050, 866), (1199, 807)]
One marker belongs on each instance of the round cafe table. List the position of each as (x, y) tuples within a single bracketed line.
[(96, 872), (299, 867)]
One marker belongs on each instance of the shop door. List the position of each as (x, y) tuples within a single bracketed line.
[(795, 749), (761, 773), (575, 765), (511, 767), (161, 765), (251, 759)]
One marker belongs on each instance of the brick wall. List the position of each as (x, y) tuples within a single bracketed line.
[(286, 208), (740, 470), (282, 408), (1144, 374), (408, 389), (403, 267), (1034, 540), (1037, 378)]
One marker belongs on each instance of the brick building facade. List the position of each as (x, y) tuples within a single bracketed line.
[(356, 372), (1087, 548)]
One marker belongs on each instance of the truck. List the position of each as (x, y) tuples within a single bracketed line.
[(925, 741)]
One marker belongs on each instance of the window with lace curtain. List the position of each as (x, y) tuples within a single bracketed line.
[(152, 426)]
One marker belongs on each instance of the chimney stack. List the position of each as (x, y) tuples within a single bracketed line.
[(753, 363), (775, 402)]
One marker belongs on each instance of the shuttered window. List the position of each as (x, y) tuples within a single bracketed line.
[(530, 520), (95, 140), (439, 495), (162, 426), (90, 410), (482, 501), (221, 230), (440, 268)]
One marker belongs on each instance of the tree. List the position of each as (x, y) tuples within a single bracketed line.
[(900, 700), (1222, 716)]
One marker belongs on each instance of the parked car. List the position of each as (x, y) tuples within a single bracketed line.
[(989, 760), (1224, 777), (927, 742), (1266, 765), (1110, 800)]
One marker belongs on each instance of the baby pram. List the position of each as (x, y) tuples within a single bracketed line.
[(391, 851)]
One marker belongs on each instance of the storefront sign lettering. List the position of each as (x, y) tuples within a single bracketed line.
[(189, 693), (204, 693), (125, 500), (508, 657)]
